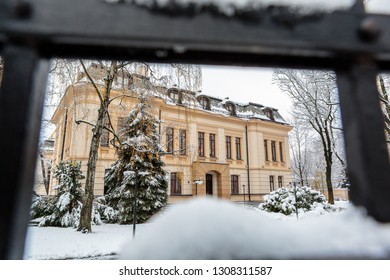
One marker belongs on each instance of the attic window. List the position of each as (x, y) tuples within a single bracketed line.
[(175, 96), (205, 102), (231, 107), (269, 113)]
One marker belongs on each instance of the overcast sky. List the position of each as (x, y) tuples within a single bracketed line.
[(244, 84)]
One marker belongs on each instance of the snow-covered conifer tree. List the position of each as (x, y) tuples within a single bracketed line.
[(65, 207), (138, 173)]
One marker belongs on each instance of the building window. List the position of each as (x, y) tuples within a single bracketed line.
[(280, 181), (271, 183), (228, 147), (212, 145), (205, 103), (234, 184), (281, 151), (238, 148), (183, 142), (201, 144), (175, 96), (231, 108), (273, 150), (175, 183), (269, 113), (266, 150), (104, 139), (169, 143)]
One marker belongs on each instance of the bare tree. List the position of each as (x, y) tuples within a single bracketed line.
[(315, 102), (300, 154), (111, 72)]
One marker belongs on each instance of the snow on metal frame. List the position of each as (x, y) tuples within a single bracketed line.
[(230, 7)]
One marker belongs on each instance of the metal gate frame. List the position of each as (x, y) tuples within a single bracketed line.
[(354, 44)]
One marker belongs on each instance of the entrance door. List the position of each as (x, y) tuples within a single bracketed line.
[(209, 184)]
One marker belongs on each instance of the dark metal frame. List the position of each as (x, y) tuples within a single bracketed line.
[(354, 44)]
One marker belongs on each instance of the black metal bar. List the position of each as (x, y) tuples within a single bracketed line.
[(128, 31), (50, 28), (366, 148), (21, 102)]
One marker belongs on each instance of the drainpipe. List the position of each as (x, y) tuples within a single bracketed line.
[(64, 134), (247, 162)]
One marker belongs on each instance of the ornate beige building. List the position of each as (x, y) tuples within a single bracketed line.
[(214, 147)]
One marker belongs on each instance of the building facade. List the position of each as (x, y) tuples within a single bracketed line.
[(214, 146)]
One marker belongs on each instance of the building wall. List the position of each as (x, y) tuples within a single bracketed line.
[(80, 103)]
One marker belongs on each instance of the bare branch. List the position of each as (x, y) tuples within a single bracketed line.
[(92, 81)]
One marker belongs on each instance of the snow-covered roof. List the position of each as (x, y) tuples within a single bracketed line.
[(217, 105), (140, 83)]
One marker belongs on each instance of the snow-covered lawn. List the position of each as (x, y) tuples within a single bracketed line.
[(66, 243), (213, 229)]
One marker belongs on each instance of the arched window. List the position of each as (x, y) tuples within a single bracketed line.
[(269, 113), (204, 102), (231, 107), (175, 95)]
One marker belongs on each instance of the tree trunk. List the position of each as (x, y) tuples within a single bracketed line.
[(329, 162), (328, 176), (86, 210), (301, 173)]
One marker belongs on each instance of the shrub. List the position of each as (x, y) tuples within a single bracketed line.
[(63, 210), (291, 200)]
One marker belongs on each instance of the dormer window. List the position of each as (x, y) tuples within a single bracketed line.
[(204, 102), (175, 95), (269, 113), (231, 108)]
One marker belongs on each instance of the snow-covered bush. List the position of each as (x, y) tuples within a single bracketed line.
[(64, 208), (41, 206), (107, 213), (290, 200)]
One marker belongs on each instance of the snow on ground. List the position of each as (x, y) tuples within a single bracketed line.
[(66, 243), (213, 229)]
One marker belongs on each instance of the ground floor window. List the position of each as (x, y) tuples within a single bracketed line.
[(280, 181), (175, 183), (271, 183), (234, 184)]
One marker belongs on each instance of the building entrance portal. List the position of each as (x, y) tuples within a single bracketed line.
[(209, 184), (215, 177)]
